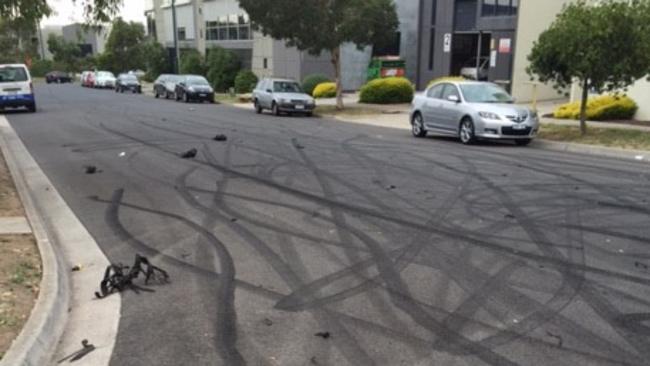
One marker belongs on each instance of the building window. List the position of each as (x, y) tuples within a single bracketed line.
[(266, 63), (181, 34), (491, 8), (432, 47), (229, 28)]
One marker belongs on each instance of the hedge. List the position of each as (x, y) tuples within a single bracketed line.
[(607, 107), (311, 81), (325, 90), (245, 82), (387, 91)]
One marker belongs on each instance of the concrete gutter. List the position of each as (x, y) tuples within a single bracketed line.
[(65, 312)]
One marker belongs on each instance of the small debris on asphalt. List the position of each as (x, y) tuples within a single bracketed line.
[(313, 361), (86, 348), (76, 268), (190, 154), (297, 144), (324, 335), (391, 187), (117, 279), (91, 169), (164, 119), (233, 220), (641, 265), (220, 138), (122, 154), (268, 322), (190, 109), (509, 216)]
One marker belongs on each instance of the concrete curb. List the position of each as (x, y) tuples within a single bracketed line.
[(610, 152), (66, 306), (37, 342)]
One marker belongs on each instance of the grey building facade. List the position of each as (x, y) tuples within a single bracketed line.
[(91, 41)]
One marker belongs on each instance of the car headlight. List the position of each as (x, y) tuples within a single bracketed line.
[(489, 115)]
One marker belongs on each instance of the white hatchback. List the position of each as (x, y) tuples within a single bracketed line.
[(16, 88)]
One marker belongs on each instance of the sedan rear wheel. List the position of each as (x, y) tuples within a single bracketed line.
[(258, 107), (466, 133), (186, 99), (275, 109), (417, 126)]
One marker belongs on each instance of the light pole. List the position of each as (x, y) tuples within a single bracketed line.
[(176, 51)]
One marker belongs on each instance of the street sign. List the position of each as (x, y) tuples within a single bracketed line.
[(505, 45), (447, 43)]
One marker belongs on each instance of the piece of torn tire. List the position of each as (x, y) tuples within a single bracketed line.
[(118, 277), (324, 335), (220, 138), (91, 169), (86, 348), (190, 154)]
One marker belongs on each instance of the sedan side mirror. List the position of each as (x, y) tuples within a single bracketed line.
[(453, 98)]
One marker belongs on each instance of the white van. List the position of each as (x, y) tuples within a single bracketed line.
[(16, 88)]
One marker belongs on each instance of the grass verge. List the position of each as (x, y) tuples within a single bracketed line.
[(20, 268), (610, 137)]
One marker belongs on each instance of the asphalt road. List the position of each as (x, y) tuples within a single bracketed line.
[(405, 251)]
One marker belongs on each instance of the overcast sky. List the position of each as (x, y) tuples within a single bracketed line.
[(66, 12)]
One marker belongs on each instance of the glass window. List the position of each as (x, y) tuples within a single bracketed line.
[(489, 8), (485, 93), (514, 7), (10, 74), (449, 91), (181, 34), (436, 91), (503, 7), (286, 87)]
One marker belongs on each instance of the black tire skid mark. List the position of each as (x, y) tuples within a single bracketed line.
[(226, 327), (344, 341)]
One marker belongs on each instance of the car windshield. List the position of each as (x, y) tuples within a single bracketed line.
[(10, 74), (105, 74), (485, 93), (196, 80), (129, 78), (286, 87)]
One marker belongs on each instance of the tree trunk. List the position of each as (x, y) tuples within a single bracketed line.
[(583, 107), (336, 61)]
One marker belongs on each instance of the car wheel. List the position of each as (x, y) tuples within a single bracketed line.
[(258, 107), (275, 109), (309, 114), (32, 107), (186, 99), (523, 142), (466, 132), (417, 126)]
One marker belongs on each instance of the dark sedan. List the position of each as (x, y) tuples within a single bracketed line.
[(58, 77), (127, 82), (194, 88)]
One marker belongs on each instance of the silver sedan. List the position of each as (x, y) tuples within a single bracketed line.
[(472, 110)]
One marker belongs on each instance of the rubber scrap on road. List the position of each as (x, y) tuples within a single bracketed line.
[(117, 279)]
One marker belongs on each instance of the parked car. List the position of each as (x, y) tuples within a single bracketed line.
[(472, 110), (282, 95), (470, 71), (105, 79), (16, 88), (58, 77), (88, 79), (194, 87), (165, 85), (127, 82)]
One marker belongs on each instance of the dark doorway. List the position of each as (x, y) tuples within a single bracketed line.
[(465, 51)]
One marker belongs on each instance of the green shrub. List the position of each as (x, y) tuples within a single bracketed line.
[(325, 90), (311, 82), (192, 62), (156, 59), (387, 91), (222, 66), (245, 82), (607, 107), (41, 67), (446, 78)]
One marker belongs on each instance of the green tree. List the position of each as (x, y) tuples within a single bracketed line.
[(222, 67), (156, 59), (63, 52), (317, 25), (124, 49), (31, 11), (605, 46), (18, 41), (192, 62)]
